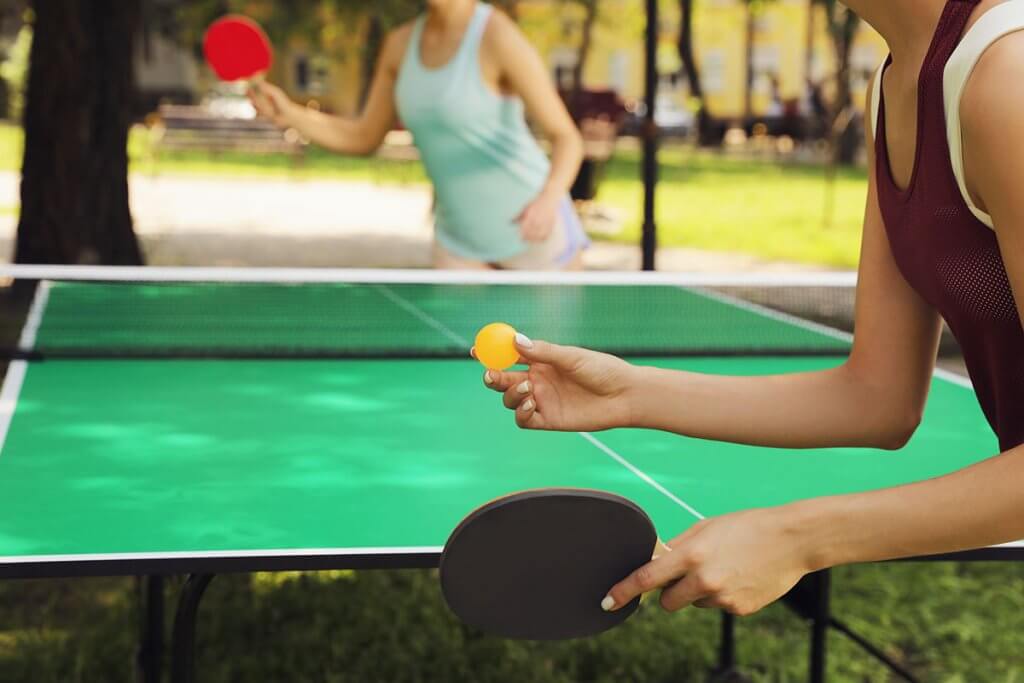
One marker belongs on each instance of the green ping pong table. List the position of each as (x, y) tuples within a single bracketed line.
[(192, 426)]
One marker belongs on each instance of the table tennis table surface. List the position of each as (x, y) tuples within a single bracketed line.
[(129, 466)]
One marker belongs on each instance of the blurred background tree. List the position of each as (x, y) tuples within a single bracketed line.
[(687, 55), (74, 179), (845, 138), (14, 60)]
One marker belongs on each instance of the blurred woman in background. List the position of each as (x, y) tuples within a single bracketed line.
[(461, 78)]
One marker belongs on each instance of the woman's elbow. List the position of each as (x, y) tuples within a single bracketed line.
[(575, 138), (890, 414), (355, 139), (578, 143), (361, 145), (570, 140), (897, 429)]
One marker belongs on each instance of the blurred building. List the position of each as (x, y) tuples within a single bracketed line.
[(790, 51), (165, 72), (790, 55)]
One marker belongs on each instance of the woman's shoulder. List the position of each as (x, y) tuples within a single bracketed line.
[(396, 43), (499, 24), (986, 96), (502, 34)]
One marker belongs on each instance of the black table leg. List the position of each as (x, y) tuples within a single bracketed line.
[(820, 584), (810, 599), (149, 658), (872, 650), (727, 647), (183, 644), (726, 671)]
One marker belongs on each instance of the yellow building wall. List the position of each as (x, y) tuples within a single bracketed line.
[(617, 54), (719, 44), (780, 45)]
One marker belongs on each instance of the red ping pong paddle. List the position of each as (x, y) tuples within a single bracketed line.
[(536, 565), (236, 48)]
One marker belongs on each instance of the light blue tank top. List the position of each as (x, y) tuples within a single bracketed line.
[(485, 164)]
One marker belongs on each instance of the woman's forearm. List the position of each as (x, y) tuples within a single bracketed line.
[(975, 507), (566, 157), (335, 133), (833, 407)]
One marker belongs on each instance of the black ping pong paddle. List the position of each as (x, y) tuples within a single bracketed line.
[(536, 565)]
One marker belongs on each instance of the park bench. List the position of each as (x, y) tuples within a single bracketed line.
[(194, 128)]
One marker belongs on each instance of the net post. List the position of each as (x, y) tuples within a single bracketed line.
[(650, 139)]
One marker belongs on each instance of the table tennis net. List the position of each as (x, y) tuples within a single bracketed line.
[(259, 313)]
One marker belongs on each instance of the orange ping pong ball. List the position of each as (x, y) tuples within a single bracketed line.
[(496, 347)]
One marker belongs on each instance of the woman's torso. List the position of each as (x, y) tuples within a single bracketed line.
[(949, 256), (484, 162)]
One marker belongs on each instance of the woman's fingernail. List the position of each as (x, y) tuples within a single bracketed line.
[(527, 405), (608, 603), (523, 388), (488, 377), (523, 340)]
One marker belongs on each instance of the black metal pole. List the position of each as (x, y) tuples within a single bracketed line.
[(727, 647), (819, 625), (151, 638), (872, 650), (649, 236), (183, 640)]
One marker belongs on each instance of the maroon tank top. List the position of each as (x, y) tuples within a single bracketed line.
[(946, 254)]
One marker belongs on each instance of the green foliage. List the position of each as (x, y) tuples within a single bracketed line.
[(14, 72), (389, 12), (66, 630), (946, 621), (312, 21)]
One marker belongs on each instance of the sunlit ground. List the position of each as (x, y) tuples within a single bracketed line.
[(777, 212)]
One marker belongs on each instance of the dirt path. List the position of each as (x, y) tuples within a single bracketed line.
[(186, 220)]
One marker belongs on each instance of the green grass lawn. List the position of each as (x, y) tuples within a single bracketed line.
[(773, 211), (705, 201), (948, 622)]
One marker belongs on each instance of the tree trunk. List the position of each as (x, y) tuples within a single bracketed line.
[(748, 107), (590, 6), (844, 137), (685, 48), (689, 60), (809, 38), (74, 186)]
